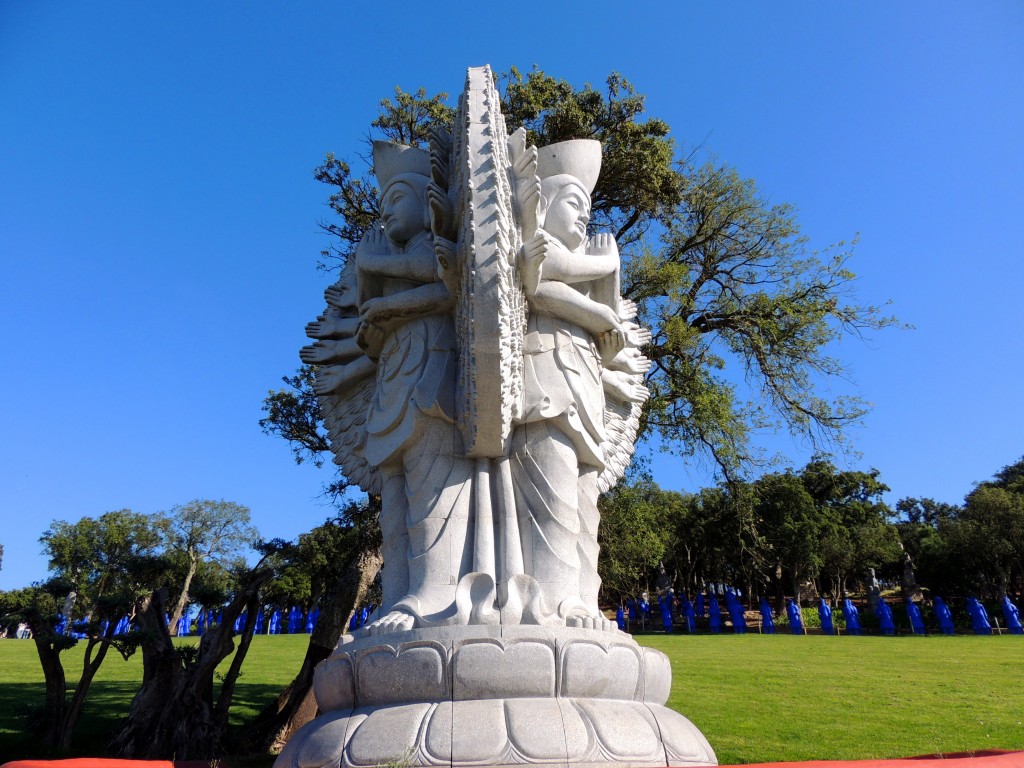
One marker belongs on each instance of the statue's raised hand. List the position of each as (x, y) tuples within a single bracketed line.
[(603, 244), (441, 215), (374, 242), (535, 250)]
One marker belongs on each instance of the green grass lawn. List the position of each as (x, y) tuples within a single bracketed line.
[(756, 698)]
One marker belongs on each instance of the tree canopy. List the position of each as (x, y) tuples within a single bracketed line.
[(743, 312)]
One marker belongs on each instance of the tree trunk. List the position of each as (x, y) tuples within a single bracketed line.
[(173, 713), (179, 607), (89, 669), (295, 705), (55, 703)]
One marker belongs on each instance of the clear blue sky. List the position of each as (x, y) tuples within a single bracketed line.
[(158, 233)]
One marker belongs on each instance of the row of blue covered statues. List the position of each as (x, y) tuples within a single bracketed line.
[(639, 613), (279, 623)]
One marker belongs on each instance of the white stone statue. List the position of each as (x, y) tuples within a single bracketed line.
[(480, 371)]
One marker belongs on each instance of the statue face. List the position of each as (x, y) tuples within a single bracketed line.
[(401, 212), (567, 216)]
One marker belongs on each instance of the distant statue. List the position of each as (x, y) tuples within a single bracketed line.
[(767, 617), (1012, 616), (943, 616), (796, 621), (915, 618), (874, 589), (885, 620), (714, 615), (908, 583), (851, 617), (979, 617), (825, 615)]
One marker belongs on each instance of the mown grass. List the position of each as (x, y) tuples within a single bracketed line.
[(756, 698)]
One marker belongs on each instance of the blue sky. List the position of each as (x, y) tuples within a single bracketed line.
[(158, 233)]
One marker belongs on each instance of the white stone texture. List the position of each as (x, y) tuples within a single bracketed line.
[(480, 371)]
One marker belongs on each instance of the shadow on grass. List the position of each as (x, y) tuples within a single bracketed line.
[(108, 703)]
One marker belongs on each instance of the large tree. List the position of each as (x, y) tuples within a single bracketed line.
[(100, 567), (201, 531), (743, 311)]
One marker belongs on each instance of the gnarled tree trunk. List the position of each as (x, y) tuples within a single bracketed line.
[(295, 705), (174, 712)]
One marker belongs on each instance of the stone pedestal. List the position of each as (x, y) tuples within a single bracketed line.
[(495, 696)]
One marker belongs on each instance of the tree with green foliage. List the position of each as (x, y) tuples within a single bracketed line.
[(857, 533), (723, 277), (974, 548), (205, 531), (639, 522), (175, 711), (100, 567)]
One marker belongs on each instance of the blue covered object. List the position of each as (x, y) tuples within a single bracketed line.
[(884, 614), (851, 617), (796, 621), (979, 617), (736, 612), (275, 623), (714, 615), (767, 617), (665, 607), (620, 618), (686, 609), (1012, 616), (943, 616), (698, 606), (916, 619), (825, 614)]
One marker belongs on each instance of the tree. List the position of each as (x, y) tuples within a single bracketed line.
[(858, 535), (100, 567), (339, 561), (634, 540), (174, 711), (724, 278), (204, 530)]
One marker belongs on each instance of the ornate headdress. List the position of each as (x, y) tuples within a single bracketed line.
[(579, 158), (393, 162)]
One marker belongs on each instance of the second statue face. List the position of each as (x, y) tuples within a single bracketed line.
[(402, 212), (568, 214)]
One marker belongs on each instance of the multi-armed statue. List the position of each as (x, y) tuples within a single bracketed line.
[(479, 370)]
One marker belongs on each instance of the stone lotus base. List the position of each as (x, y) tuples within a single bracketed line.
[(495, 696)]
